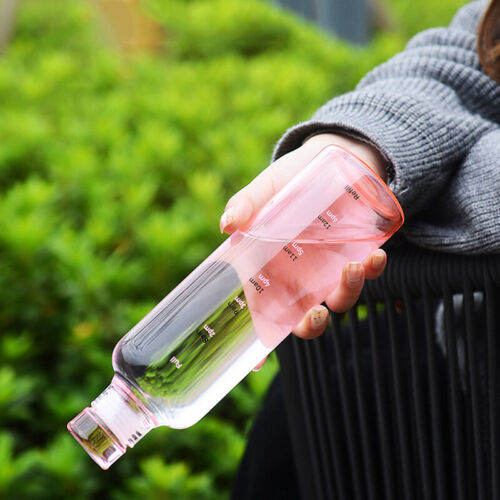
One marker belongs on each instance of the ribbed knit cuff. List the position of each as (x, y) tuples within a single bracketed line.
[(422, 144)]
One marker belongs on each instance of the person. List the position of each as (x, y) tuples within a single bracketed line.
[(428, 122)]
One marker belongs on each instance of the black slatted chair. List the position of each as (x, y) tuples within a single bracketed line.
[(400, 398)]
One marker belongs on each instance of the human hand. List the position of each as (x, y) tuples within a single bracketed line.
[(245, 203)]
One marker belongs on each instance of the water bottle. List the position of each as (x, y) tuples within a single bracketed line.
[(209, 332)]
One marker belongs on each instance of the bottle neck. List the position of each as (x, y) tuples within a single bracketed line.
[(115, 420)]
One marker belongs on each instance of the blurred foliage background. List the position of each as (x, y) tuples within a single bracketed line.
[(114, 170)]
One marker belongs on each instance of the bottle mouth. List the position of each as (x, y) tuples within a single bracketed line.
[(95, 439), (116, 419)]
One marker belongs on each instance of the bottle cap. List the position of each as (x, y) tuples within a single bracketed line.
[(99, 443), (115, 420)]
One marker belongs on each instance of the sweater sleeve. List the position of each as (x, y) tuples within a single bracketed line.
[(424, 109)]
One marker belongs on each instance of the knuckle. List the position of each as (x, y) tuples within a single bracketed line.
[(343, 301), (233, 199)]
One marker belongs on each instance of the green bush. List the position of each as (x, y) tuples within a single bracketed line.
[(113, 174)]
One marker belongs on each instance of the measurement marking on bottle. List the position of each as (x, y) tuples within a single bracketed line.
[(203, 336), (236, 305), (176, 362), (205, 333), (240, 302), (254, 282), (332, 216), (324, 221), (352, 191), (292, 256), (297, 247), (264, 280), (210, 331)]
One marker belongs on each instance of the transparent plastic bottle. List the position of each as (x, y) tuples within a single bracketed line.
[(207, 334)]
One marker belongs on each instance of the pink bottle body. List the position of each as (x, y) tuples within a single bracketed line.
[(244, 299)]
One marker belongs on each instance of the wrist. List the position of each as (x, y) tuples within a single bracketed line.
[(366, 152)]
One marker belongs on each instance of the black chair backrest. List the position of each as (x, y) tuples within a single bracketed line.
[(400, 399)]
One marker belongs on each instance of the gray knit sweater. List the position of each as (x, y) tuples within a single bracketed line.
[(435, 115)]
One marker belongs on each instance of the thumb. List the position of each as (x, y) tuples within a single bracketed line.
[(248, 201), (242, 206)]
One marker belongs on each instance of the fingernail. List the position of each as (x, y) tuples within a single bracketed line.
[(260, 365), (319, 318), (226, 219), (354, 272), (378, 260)]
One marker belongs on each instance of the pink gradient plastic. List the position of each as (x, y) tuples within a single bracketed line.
[(240, 303), (335, 211)]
